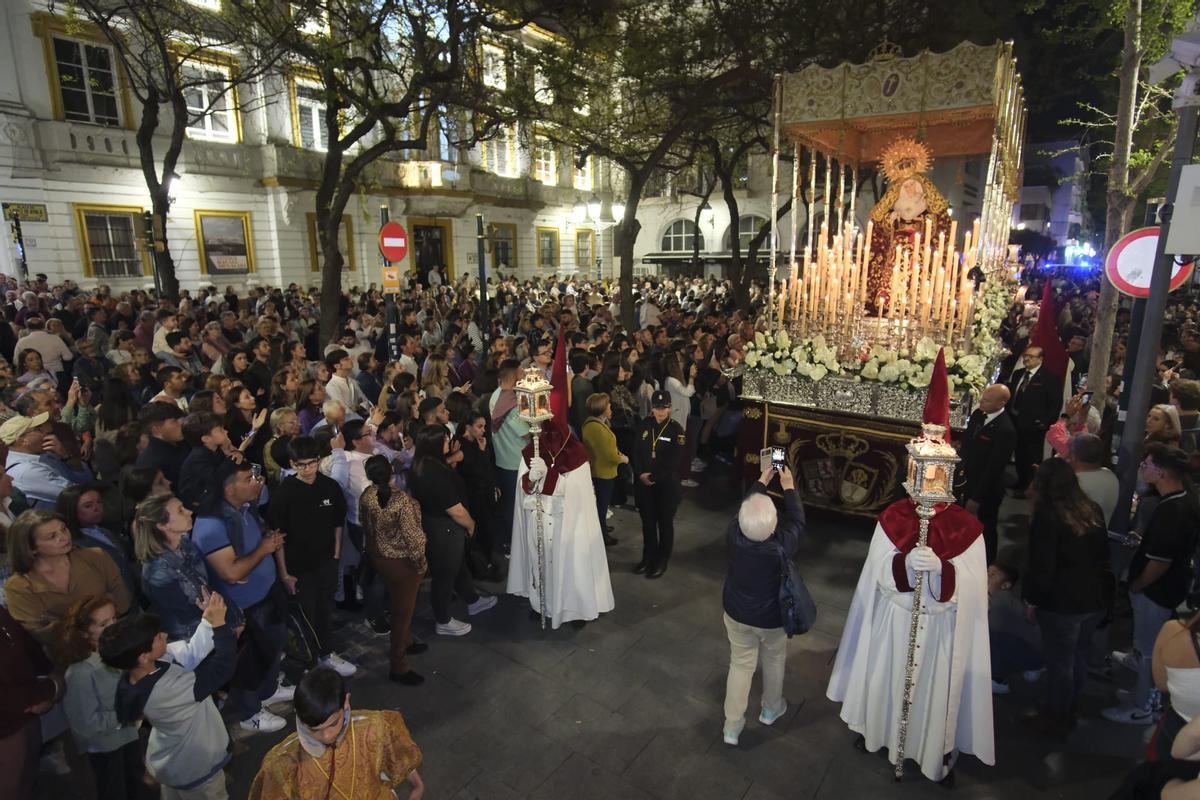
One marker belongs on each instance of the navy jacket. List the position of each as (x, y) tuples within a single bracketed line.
[(751, 594)]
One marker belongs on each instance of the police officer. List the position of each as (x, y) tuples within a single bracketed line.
[(660, 446)]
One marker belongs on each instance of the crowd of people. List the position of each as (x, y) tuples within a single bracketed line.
[(192, 490)]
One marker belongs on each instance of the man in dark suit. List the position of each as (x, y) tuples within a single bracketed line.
[(1036, 401), (986, 448)]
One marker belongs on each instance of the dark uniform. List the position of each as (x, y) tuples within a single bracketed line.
[(986, 449), (659, 449)]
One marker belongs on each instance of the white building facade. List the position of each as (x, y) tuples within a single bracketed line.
[(243, 212), (1054, 198), (668, 216)]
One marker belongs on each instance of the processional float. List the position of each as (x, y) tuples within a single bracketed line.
[(914, 270)]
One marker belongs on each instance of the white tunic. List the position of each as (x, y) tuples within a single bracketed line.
[(576, 564), (952, 691)]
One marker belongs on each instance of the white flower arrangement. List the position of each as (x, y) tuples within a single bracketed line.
[(813, 358)]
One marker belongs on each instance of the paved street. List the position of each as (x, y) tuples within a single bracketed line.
[(630, 706)]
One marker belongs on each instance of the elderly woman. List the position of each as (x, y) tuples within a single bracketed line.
[(50, 573), (753, 618)]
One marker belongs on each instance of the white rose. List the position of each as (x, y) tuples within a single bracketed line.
[(919, 380), (780, 369), (818, 372), (819, 340), (782, 341), (752, 359), (760, 341), (926, 349), (888, 373), (902, 364), (870, 370)]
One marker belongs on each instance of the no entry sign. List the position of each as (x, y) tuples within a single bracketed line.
[(1130, 263), (393, 242)]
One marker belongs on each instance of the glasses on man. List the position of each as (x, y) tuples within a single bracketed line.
[(306, 464)]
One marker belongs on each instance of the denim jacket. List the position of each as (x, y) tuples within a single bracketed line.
[(174, 581)]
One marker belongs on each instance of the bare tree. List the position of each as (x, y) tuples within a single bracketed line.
[(166, 50)]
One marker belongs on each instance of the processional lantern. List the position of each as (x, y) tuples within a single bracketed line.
[(533, 408), (931, 462)]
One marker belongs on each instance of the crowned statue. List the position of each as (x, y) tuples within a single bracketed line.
[(910, 204)]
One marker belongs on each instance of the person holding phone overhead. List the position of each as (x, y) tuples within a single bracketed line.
[(660, 446)]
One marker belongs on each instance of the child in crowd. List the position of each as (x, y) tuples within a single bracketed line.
[(189, 746), (1013, 639), (112, 748)]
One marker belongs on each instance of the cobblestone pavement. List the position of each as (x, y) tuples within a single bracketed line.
[(631, 705)]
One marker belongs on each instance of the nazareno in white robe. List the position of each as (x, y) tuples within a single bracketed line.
[(576, 563), (952, 689)]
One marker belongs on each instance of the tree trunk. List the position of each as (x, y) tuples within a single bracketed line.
[(624, 240), (328, 229), (1120, 202), (160, 202), (164, 263)]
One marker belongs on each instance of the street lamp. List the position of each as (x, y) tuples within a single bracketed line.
[(580, 211), (593, 208), (707, 213), (618, 210)]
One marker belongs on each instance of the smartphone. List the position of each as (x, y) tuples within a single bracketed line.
[(778, 458), (1086, 397), (256, 471)]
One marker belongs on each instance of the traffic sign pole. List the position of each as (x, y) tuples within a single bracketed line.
[(391, 312)]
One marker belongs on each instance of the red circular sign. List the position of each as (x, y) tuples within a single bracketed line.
[(393, 241), (1130, 263)]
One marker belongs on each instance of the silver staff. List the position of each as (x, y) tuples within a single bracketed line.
[(931, 463), (533, 407)]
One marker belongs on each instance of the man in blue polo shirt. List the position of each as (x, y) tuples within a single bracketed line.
[(509, 435), (242, 568)]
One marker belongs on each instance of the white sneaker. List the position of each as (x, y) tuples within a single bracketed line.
[(1032, 675), (454, 627), (1127, 659), (482, 604), (283, 694), (263, 722), (340, 665), (608, 514), (688, 483), (730, 737), (770, 717)]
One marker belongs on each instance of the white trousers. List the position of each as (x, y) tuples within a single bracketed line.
[(746, 643)]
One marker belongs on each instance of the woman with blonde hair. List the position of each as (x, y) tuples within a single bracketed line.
[(435, 376), (174, 575), (1162, 425)]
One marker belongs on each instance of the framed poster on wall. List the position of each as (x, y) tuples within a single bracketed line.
[(225, 242)]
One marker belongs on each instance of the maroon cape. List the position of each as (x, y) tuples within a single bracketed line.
[(951, 531)]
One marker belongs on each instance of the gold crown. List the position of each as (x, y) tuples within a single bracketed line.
[(845, 445), (885, 51), (903, 158)]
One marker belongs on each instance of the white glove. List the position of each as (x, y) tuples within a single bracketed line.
[(923, 559), (537, 469)]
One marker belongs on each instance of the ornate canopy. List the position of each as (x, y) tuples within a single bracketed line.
[(962, 102)]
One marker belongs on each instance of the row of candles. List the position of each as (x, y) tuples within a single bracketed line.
[(931, 290)]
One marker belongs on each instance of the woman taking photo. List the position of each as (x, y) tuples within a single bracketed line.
[(1068, 586), (50, 573), (395, 542), (447, 524), (245, 424)]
